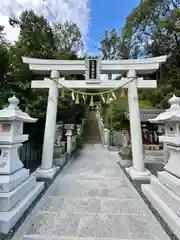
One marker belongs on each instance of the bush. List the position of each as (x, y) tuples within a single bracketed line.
[(79, 142)]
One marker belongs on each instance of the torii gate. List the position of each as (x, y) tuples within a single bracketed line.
[(93, 68)]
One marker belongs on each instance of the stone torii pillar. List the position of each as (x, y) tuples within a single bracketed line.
[(137, 171), (47, 170)]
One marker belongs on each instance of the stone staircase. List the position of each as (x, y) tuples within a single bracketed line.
[(91, 131)]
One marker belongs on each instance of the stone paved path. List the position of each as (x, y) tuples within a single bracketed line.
[(91, 199)]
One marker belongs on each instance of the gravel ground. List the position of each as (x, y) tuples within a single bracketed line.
[(91, 199), (48, 182), (137, 185), (9, 236)]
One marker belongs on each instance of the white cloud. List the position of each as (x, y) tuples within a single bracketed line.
[(11, 33), (55, 11)]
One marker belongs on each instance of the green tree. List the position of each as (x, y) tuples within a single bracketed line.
[(116, 110), (36, 37), (114, 46), (36, 40), (4, 57), (2, 38), (154, 27), (68, 37)]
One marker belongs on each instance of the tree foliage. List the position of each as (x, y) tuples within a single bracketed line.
[(114, 46), (68, 37), (115, 112), (4, 63), (36, 39), (154, 27), (4, 57), (2, 38)]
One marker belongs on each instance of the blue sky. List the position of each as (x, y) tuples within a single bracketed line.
[(106, 15), (92, 16)]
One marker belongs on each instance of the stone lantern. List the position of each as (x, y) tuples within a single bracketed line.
[(171, 138), (17, 189), (164, 190)]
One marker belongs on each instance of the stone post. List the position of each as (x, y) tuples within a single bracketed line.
[(106, 136), (47, 170), (137, 171), (69, 141)]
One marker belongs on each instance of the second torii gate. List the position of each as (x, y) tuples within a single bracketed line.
[(93, 68)]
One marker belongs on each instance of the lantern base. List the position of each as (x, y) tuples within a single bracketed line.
[(173, 164), (163, 194), (9, 219), (10, 182)]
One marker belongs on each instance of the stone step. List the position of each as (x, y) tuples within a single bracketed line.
[(169, 197), (170, 181), (10, 199), (91, 130), (93, 141), (169, 216), (9, 219), (10, 182)]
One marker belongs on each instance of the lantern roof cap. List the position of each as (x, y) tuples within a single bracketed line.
[(13, 112), (172, 114)]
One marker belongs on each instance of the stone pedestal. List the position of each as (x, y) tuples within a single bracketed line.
[(60, 161), (125, 154), (138, 175), (57, 151), (46, 173), (18, 189)]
